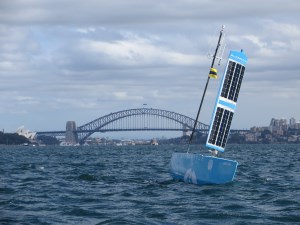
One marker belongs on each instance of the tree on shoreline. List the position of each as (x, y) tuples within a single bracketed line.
[(12, 139)]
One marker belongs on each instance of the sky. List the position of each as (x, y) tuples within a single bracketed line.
[(64, 60)]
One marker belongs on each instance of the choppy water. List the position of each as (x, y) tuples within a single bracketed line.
[(132, 185)]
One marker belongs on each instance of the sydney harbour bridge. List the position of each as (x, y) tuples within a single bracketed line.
[(140, 119)]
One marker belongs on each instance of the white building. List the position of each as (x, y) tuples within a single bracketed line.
[(26, 133)]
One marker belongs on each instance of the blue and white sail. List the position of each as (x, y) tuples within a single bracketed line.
[(226, 100), (201, 169)]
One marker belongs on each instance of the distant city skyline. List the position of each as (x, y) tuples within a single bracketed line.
[(274, 123), (79, 60)]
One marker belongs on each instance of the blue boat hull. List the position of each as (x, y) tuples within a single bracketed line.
[(199, 169)]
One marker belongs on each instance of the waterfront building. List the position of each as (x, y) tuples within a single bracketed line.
[(293, 123)]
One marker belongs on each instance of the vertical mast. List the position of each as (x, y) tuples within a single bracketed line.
[(208, 78)]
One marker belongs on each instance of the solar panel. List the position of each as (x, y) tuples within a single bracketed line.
[(226, 101), (233, 81), (220, 127)]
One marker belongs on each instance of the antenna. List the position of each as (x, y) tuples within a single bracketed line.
[(222, 45), (213, 73)]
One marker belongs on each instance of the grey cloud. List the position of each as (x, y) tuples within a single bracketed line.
[(79, 58), (134, 11)]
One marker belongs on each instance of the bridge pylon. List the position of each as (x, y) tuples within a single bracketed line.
[(185, 130), (71, 134)]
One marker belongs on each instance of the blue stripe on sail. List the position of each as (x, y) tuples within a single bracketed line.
[(215, 147), (227, 104), (239, 57)]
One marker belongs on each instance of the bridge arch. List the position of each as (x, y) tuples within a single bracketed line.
[(100, 123)]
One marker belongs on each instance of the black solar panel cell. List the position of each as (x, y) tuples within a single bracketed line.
[(228, 79), (239, 84), (221, 126)]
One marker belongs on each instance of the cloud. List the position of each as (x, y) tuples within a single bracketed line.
[(136, 12), (26, 100), (124, 96), (137, 52), (85, 30), (79, 58)]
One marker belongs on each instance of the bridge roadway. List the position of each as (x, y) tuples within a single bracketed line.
[(63, 133), (140, 119)]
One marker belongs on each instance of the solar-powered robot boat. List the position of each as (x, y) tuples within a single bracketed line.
[(210, 169)]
